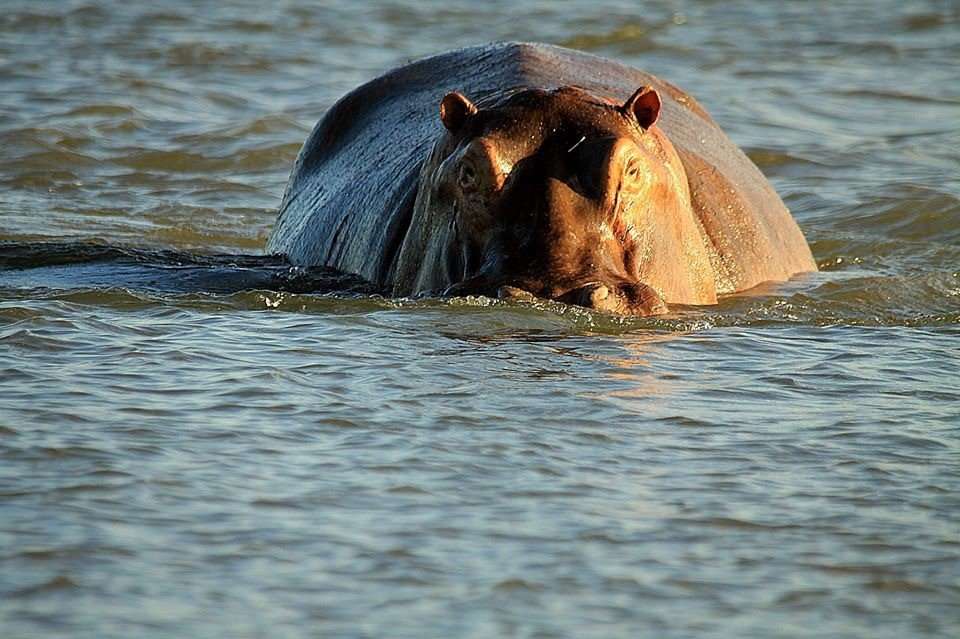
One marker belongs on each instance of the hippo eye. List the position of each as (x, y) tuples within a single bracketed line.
[(467, 176)]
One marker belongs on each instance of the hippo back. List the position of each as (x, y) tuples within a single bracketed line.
[(350, 196)]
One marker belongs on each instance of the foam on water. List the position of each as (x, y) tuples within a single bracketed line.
[(276, 457)]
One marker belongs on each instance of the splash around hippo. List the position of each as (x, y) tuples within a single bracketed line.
[(527, 170)]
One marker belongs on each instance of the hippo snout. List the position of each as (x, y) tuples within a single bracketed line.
[(621, 298), (624, 299)]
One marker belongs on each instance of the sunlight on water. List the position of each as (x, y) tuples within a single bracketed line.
[(285, 454)]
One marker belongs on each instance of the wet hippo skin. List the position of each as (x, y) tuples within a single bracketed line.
[(528, 170)]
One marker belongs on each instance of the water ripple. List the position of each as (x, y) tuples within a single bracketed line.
[(279, 457)]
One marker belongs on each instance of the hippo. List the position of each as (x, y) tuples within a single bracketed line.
[(526, 171)]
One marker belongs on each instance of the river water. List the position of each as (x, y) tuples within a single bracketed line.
[(253, 463)]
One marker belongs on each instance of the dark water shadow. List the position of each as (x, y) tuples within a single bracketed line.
[(76, 265)]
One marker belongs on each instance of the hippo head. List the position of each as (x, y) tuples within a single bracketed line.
[(549, 194)]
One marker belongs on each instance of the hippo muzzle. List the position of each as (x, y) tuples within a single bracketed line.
[(543, 197)]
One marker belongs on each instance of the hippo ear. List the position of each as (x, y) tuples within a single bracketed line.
[(455, 110), (644, 106)]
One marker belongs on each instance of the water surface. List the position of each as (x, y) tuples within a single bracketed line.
[(266, 461)]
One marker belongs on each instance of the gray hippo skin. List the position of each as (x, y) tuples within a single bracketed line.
[(527, 170)]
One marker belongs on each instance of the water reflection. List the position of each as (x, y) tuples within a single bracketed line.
[(285, 463)]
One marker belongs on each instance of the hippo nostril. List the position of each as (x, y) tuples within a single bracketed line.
[(592, 295), (598, 294), (626, 298), (507, 292)]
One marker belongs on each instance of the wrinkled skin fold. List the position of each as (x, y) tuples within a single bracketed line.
[(525, 171)]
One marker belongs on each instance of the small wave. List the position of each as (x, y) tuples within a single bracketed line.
[(931, 21), (56, 584), (772, 159), (909, 212), (90, 273), (102, 110), (258, 159), (50, 160), (195, 55), (73, 265), (28, 21), (632, 37), (893, 94)]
